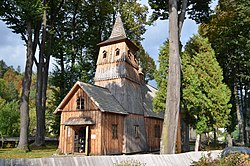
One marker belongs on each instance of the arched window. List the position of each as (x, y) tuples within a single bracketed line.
[(80, 103), (117, 52), (104, 54)]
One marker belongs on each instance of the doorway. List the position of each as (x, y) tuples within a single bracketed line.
[(81, 140)]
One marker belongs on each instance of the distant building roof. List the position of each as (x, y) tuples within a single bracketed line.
[(148, 93)]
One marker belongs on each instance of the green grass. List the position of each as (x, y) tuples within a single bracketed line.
[(12, 153)]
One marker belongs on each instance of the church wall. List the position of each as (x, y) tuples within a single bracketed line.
[(153, 136), (110, 143), (135, 134)]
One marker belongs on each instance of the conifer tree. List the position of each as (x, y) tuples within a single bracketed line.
[(205, 96), (159, 102)]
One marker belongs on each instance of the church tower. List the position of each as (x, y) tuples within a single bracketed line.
[(118, 69)]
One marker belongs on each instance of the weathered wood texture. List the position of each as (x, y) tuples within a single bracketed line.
[(67, 133), (135, 141), (152, 137), (112, 145)]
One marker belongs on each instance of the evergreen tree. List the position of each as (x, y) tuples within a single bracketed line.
[(229, 33), (175, 10), (160, 75), (205, 96)]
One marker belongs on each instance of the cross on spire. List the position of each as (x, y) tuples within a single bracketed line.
[(119, 6)]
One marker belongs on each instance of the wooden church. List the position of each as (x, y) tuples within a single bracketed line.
[(114, 116)]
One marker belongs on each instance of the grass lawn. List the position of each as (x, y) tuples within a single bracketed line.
[(12, 153)]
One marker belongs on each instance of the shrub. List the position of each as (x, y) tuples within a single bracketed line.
[(236, 159)]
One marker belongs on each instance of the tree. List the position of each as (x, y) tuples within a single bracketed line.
[(160, 75), (76, 44), (175, 10), (23, 16), (9, 118), (231, 19), (205, 96)]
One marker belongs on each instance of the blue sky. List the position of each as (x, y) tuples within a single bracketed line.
[(12, 49)]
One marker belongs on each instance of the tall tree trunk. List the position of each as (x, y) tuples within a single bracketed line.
[(197, 142), (239, 116), (245, 115), (40, 110), (244, 110), (185, 134), (170, 124), (215, 137), (24, 104)]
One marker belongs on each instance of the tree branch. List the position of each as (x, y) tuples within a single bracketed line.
[(182, 15)]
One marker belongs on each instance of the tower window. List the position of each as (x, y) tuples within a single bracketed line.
[(80, 103), (117, 52), (104, 54), (114, 131), (129, 54)]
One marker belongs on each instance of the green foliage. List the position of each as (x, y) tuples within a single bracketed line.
[(81, 25), (159, 102), (229, 33), (129, 163), (205, 96), (197, 10), (148, 65), (235, 159), (9, 118), (16, 13)]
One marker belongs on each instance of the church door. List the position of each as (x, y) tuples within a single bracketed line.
[(83, 140)]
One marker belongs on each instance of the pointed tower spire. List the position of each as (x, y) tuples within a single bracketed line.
[(118, 29)]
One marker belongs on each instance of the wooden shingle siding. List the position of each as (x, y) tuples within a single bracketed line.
[(153, 141)]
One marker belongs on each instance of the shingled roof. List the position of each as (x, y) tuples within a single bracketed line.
[(102, 97), (148, 93), (118, 29), (118, 34)]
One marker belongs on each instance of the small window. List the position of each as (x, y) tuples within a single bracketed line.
[(157, 131), (80, 103), (104, 54), (114, 131), (68, 130), (136, 131), (135, 60), (117, 52), (129, 54)]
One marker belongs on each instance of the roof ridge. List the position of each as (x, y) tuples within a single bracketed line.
[(93, 85)]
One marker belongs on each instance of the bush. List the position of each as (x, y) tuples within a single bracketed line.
[(236, 159), (129, 163)]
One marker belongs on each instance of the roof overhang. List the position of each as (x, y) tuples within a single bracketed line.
[(117, 40), (79, 121)]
